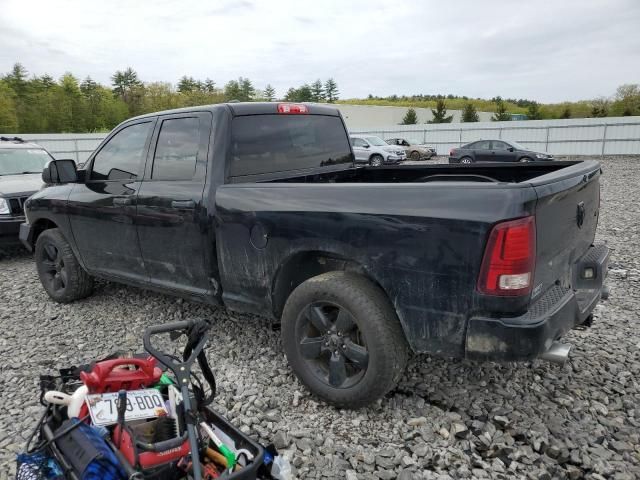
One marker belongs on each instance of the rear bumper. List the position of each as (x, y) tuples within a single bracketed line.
[(549, 317), (9, 228)]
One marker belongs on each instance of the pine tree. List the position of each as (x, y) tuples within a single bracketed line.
[(410, 118), (128, 88), (88, 86), (232, 90), (17, 79), (440, 113), (247, 90), (331, 90), (209, 86), (269, 93), (186, 84), (469, 113), (123, 82), (317, 91), (501, 114)]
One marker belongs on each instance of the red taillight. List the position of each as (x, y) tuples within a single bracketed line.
[(509, 259), (292, 108), (451, 152)]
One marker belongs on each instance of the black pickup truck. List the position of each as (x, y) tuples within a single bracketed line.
[(260, 207)]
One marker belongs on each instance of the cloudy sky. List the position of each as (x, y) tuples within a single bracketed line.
[(545, 50)]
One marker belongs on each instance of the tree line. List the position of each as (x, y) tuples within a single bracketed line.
[(625, 102), (38, 104)]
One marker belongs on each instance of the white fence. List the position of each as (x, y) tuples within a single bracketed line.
[(583, 136), (580, 136), (77, 146)]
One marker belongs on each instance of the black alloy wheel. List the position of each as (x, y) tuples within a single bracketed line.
[(332, 345), (53, 269)]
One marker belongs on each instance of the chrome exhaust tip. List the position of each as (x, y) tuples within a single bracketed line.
[(557, 353)]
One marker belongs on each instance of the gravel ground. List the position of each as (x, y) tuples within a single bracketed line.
[(447, 419)]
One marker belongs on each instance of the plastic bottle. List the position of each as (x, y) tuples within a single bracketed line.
[(281, 468)]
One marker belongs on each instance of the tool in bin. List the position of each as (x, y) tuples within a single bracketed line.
[(229, 456)]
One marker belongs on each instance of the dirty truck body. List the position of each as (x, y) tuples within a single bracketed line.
[(486, 262)]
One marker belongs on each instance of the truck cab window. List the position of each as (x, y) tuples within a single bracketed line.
[(280, 143), (177, 149), (120, 158)]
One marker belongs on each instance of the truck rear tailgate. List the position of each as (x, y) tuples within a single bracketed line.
[(566, 220)]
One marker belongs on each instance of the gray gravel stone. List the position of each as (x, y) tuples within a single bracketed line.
[(532, 420)]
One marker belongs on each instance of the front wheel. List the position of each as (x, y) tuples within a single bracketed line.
[(415, 155), (62, 277), (343, 339), (376, 160), (525, 160)]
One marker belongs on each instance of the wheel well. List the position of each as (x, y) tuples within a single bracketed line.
[(375, 155), (40, 226), (303, 266)]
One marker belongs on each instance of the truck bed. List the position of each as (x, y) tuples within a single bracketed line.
[(418, 231), (483, 173)]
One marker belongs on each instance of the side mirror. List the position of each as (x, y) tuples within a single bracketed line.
[(366, 145), (60, 171), (510, 149)]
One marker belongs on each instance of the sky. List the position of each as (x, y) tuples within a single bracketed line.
[(549, 51)]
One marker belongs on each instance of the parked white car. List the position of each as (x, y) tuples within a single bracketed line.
[(375, 151)]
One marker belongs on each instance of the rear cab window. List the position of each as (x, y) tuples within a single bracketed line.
[(267, 143)]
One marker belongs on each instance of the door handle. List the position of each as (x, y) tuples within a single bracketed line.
[(183, 204), (121, 201)]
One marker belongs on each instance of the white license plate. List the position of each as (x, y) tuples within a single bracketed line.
[(141, 404)]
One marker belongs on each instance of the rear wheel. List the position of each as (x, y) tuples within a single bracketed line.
[(466, 160), (343, 339), (415, 155), (376, 160), (61, 275)]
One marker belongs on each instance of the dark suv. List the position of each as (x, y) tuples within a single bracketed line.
[(21, 165), (495, 151)]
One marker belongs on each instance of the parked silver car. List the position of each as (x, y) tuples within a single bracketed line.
[(415, 151), (375, 151)]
